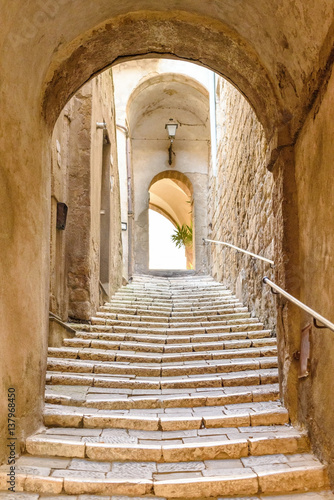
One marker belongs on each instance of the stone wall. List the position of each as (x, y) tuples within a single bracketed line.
[(241, 210), (84, 164)]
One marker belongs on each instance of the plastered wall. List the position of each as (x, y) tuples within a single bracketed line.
[(314, 159)]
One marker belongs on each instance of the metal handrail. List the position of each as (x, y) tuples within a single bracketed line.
[(314, 314), (271, 262)]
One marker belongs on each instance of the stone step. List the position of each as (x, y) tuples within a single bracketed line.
[(223, 297), (249, 477), (207, 328), (103, 342), (174, 308), (198, 296), (156, 399), (113, 445), (170, 411), (224, 308), (88, 365), (319, 495), (166, 322), (102, 319), (186, 314), (179, 336), (72, 351), (174, 288), (175, 303), (146, 357), (231, 379)]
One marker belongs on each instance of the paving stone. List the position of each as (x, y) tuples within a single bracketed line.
[(206, 450), (295, 479), (208, 487), (181, 467), (44, 462), (100, 451), (87, 474), (89, 465), (123, 470), (19, 496), (117, 487), (37, 484)]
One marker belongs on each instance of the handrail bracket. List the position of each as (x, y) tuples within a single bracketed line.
[(316, 325)]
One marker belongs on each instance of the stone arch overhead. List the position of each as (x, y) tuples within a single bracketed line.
[(195, 91), (175, 175), (147, 82), (174, 34)]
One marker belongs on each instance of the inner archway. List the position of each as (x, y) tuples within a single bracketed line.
[(171, 195), (157, 99)]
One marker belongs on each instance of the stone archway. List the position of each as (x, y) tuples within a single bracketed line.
[(150, 106), (171, 195), (283, 71)]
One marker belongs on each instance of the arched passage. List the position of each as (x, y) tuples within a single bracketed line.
[(277, 53), (171, 195), (153, 103)]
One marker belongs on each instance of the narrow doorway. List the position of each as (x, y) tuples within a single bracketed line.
[(171, 222)]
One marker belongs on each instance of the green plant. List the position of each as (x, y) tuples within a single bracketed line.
[(183, 235)]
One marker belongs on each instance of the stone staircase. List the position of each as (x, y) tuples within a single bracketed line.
[(170, 392)]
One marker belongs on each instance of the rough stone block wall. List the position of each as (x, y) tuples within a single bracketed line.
[(241, 211), (77, 159)]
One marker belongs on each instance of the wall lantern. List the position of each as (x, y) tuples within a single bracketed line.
[(124, 226), (171, 130)]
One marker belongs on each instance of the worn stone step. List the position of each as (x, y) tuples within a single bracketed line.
[(104, 342), (213, 306), (67, 417), (224, 309), (170, 417), (186, 291), (135, 301), (174, 335), (246, 476), (91, 351), (235, 340), (157, 370), (73, 351), (163, 313), (164, 322), (200, 328), (319, 495), (231, 379), (268, 474), (117, 445), (102, 318), (260, 398)]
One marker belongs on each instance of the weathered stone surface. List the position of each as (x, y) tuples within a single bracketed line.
[(193, 438)]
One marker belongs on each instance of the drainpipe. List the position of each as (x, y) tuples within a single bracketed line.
[(130, 206)]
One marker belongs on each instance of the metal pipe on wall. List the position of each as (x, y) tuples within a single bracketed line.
[(130, 191)]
